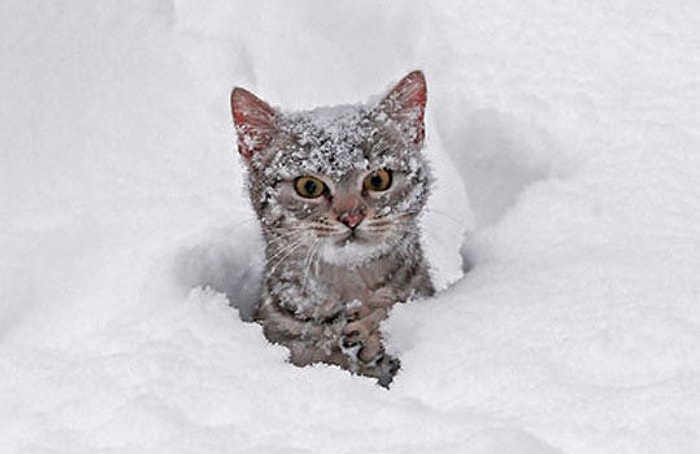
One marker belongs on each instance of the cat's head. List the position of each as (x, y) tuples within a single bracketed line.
[(347, 181)]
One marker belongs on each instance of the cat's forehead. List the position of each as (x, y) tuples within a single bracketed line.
[(332, 141), (342, 123)]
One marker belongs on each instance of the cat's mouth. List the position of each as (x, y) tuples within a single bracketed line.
[(348, 238), (353, 236)]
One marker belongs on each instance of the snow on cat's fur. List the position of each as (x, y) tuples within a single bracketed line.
[(338, 192)]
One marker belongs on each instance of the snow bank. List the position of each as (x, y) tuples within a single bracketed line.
[(125, 233)]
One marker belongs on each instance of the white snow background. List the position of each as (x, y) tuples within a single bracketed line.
[(125, 231)]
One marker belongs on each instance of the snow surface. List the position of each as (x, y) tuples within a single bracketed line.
[(124, 230)]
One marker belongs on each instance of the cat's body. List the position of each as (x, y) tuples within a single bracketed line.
[(338, 192)]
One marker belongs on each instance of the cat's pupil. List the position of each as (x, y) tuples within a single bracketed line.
[(310, 187), (376, 181)]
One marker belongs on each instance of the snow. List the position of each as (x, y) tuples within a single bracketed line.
[(125, 231)]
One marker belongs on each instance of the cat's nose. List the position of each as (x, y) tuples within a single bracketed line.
[(351, 218)]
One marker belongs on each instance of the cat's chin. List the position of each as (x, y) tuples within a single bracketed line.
[(349, 252)]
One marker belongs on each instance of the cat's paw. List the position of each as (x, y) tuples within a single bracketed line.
[(356, 332), (372, 349), (365, 322), (356, 310), (387, 367), (365, 347), (383, 367), (365, 352)]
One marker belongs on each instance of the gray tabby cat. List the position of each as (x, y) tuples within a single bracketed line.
[(337, 191)]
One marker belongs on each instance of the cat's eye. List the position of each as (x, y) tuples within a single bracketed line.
[(379, 180), (309, 187)]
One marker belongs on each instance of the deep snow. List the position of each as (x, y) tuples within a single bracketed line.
[(125, 232)]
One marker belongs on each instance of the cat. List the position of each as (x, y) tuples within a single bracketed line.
[(338, 192)]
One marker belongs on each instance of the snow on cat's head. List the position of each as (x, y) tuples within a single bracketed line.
[(344, 183)]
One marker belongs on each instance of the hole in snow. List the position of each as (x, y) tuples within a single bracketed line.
[(497, 155), (228, 261)]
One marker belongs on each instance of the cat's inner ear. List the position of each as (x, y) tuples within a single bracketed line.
[(405, 104), (255, 122)]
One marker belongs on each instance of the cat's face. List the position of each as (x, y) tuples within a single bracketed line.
[(346, 183)]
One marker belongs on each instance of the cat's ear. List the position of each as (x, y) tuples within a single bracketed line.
[(405, 104), (255, 122)]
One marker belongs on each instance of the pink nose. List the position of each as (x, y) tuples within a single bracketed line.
[(351, 218)]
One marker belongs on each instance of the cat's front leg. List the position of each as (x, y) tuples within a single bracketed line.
[(321, 346), (365, 333), (382, 298), (369, 358), (364, 318)]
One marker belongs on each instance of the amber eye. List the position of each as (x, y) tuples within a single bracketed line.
[(379, 180), (309, 187)]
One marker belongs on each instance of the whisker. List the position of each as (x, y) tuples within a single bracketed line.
[(284, 236), (240, 224), (400, 225), (282, 259), (309, 259), (447, 216), (284, 252), (282, 231)]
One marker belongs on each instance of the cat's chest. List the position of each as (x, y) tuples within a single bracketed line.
[(350, 283)]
